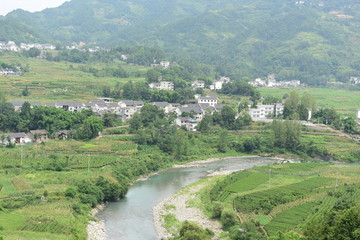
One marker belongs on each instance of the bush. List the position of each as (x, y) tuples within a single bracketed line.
[(228, 218)]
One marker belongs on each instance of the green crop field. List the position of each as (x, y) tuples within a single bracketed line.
[(345, 102), (60, 81), (283, 197)]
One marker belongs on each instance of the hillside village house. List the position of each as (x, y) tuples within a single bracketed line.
[(162, 86), (219, 84), (358, 114), (355, 80), (165, 106), (165, 64), (264, 111), (18, 104), (39, 135), (9, 72), (16, 138), (198, 84), (210, 99), (187, 122)]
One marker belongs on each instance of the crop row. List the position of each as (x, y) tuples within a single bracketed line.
[(287, 220), (266, 200)]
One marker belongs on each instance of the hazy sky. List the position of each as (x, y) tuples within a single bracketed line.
[(28, 5)]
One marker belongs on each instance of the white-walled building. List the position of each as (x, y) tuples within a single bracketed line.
[(358, 114), (210, 99), (264, 111), (165, 64), (162, 86), (189, 123), (198, 84)]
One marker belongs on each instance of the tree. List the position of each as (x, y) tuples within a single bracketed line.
[(291, 106), (26, 92), (111, 120), (91, 128), (33, 52), (204, 125), (152, 75), (191, 231), (25, 112), (286, 134), (227, 117), (349, 125)]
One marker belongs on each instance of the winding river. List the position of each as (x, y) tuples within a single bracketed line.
[(132, 217)]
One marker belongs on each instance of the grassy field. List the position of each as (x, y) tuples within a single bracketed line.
[(28, 172), (283, 197), (55, 81), (343, 101)]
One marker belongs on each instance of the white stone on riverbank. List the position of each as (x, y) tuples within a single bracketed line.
[(183, 212), (96, 229)]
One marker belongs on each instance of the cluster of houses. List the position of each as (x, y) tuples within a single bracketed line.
[(33, 136), (12, 46), (271, 82), (126, 109), (162, 64), (217, 85), (9, 72), (164, 85)]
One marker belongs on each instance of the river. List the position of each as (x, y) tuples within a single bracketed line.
[(132, 217)]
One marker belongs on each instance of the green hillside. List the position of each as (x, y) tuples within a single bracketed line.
[(299, 197), (316, 42)]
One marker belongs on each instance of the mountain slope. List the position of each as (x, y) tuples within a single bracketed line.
[(315, 41)]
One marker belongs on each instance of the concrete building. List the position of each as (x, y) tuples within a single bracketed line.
[(210, 99), (187, 122), (266, 111)]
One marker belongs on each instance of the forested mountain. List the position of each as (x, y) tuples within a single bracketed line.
[(311, 40), (14, 31)]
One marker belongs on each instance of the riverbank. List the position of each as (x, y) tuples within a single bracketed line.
[(181, 206), (232, 164), (96, 229)]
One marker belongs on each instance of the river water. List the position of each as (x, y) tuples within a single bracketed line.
[(132, 217)]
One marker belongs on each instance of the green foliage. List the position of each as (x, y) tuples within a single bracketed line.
[(286, 134), (228, 218), (240, 39), (245, 231), (91, 128), (191, 231)]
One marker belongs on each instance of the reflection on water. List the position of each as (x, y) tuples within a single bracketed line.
[(131, 218)]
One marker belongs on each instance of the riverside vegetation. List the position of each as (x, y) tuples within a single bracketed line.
[(48, 189), (286, 201)]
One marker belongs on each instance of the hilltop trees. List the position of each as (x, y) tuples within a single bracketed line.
[(296, 108), (286, 134)]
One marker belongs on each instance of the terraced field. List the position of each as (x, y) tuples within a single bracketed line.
[(284, 197)]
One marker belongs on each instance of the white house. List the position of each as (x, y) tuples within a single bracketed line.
[(165, 64), (198, 84), (258, 83), (162, 86), (128, 108), (264, 111), (355, 80), (16, 138), (210, 99), (216, 85), (189, 123), (358, 114), (167, 107), (71, 106), (195, 109)]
